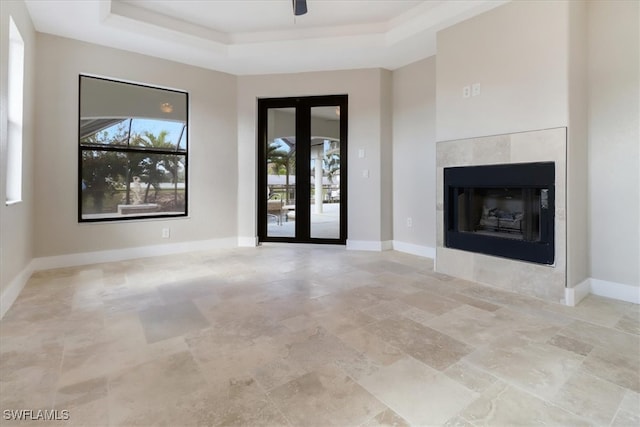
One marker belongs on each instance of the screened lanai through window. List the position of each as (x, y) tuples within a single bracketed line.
[(133, 151)]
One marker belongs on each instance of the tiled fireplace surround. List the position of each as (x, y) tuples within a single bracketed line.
[(543, 281)]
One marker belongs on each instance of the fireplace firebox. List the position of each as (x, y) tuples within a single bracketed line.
[(501, 210)]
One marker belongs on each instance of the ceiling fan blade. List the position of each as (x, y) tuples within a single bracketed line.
[(299, 7)]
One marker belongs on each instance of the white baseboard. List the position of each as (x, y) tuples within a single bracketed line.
[(573, 296), (247, 242), (86, 258), (413, 249), (386, 245), (10, 294), (369, 245), (619, 291), (603, 288)]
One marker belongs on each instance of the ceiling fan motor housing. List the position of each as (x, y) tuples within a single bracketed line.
[(299, 7)]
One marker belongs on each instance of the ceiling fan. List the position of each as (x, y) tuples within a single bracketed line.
[(299, 7)]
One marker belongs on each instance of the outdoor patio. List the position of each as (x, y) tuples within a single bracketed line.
[(325, 225)]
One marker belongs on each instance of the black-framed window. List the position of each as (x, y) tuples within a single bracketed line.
[(133, 151)]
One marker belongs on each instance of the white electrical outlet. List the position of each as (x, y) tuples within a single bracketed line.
[(166, 233), (361, 154), (466, 91), (475, 89), (409, 222), (365, 173)]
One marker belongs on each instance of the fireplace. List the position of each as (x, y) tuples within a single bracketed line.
[(502, 210)]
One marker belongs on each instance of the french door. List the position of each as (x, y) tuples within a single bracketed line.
[(302, 169)]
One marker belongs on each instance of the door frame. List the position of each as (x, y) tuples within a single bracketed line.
[(303, 107)]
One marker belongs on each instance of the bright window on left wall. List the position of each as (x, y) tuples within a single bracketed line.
[(15, 113), (133, 151)]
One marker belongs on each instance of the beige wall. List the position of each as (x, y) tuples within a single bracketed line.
[(614, 140), (577, 148), (386, 156), (364, 88), (414, 152), (212, 149), (518, 54), (16, 221)]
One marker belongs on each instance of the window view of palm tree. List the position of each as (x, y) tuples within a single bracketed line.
[(132, 167), (281, 156)]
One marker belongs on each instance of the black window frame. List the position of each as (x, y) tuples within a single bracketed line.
[(128, 148)]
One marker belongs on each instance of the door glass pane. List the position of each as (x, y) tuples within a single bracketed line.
[(325, 172), (281, 172)]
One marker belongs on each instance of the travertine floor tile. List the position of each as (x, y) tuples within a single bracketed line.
[(79, 394), (317, 347), (425, 344), (171, 320), (598, 336), (238, 402), (149, 393), (375, 348), (386, 418), (615, 367), (470, 325), (325, 397), (184, 290), (629, 411), (277, 372), (504, 298), (420, 394), (457, 421), (419, 316), (539, 368), (470, 377), (594, 309), (631, 402), (590, 397), (503, 405), (570, 344), (431, 302), (628, 323), (286, 335), (386, 309), (625, 419)]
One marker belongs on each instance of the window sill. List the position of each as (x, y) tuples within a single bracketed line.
[(12, 202)]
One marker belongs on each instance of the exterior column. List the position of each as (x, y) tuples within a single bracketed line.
[(317, 156)]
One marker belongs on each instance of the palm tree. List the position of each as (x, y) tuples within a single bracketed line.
[(101, 169), (332, 165), (173, 165), (275, 156), (154, 166), (281, 159), (100, 174)]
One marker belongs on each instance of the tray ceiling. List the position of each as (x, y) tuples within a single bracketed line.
[(261, 36)]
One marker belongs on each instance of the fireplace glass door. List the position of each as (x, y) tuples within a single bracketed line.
[(501, 210), (510, 213)]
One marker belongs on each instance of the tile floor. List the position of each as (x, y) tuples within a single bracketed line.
[(310, 336)]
